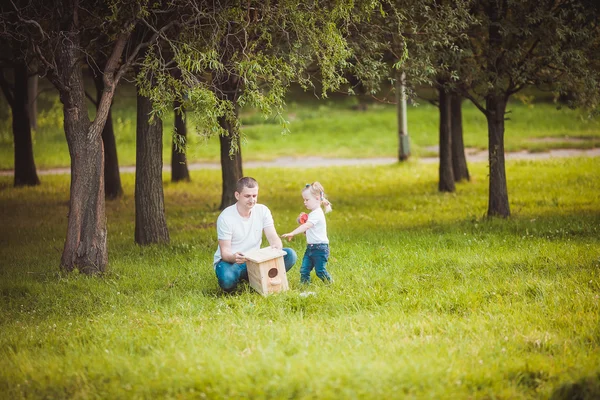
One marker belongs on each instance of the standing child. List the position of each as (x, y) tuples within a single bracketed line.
[(315, 226)]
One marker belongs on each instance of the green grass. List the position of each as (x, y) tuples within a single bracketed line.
[(326, 128), (430, 300)]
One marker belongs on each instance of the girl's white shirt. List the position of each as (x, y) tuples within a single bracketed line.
[(318, 233)]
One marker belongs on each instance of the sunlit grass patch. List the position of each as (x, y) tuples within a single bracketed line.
[(431, 299)]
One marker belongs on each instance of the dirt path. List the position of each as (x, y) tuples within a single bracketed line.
[(290, 162)]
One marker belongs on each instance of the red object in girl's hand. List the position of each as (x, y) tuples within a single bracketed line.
[(303, 218)]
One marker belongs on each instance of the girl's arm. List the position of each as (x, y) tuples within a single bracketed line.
[(301, 229)]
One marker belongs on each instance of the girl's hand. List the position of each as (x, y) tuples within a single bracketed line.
[(288, 236)]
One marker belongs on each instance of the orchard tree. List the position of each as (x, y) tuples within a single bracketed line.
[(246, 55), (551, 44), (401, 43), (460, 170), (150, 219), (14, 84), (61, 34)]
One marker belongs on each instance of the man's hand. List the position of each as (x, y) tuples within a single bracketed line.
[(239, 258)]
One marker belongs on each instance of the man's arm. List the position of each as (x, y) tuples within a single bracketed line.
[(273, 238), (227, 255)]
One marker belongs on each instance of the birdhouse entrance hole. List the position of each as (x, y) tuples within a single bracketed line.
[(266, 270)]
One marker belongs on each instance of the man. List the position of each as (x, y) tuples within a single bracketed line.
[(239, 230)]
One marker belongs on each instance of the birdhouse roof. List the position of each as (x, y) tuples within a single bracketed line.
[(264, 254)]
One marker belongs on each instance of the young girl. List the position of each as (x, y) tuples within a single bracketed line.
[(315, 226)]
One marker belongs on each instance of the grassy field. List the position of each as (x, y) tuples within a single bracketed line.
[(327, 128), (430, 299)]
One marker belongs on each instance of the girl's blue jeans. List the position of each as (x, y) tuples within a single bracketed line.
[(315, 256), (229, 275)]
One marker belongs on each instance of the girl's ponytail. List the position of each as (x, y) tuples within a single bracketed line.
[(316, 189), (325, 203)]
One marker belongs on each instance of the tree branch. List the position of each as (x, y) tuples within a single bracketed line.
[(29, 21), (140, 46), (476, 102)]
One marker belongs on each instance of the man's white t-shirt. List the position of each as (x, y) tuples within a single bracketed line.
[(318, 233), (245, 233)]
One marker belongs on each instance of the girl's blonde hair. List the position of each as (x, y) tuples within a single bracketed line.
[(316, 189)]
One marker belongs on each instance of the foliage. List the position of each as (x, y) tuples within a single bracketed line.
[(407, 36), (549, 44), (257, 49), (430, 299)]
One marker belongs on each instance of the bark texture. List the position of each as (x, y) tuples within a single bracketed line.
[(85, 246), (498, 192), (459, 160), (150, 220), (446, 175), (496, 108)]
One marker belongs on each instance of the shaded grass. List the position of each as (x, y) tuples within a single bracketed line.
[(327, 128), (431, 300)]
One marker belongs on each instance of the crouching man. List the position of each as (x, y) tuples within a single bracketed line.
[(239, 230)]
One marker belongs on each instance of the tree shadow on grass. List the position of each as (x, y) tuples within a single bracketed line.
[(584, 389)]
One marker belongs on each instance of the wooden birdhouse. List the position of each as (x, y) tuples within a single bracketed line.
[(266, 270)]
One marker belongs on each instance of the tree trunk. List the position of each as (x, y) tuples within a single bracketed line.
[(32, 89), (150, 220), (498, 192), (403, 138), (446, 183), (85, 246), (496, 108), (459, 160), (25, 171), (112, 178), (179, 168), (231, 164)]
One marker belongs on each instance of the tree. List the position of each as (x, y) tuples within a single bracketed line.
[(460, 169), (400, 43), (552, 44), (446, 173), (17, 96), (60, 33), (150, 221), (250, 53), (229, 89)]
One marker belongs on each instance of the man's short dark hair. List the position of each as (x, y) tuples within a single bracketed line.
[(245, 182)]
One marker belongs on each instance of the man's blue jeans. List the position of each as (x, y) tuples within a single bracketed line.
[(316, 256), (229, 275)]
